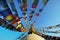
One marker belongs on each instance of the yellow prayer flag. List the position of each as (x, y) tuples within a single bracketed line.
[(18, 26), (8, 17)]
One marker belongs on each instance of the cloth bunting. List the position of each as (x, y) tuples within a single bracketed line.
[(37, 14), (40, 10), (24, 1), (2, 22), (58, 25), (4, 4), (13, 7), (24, 7), (35, 1), (17, 24), (25, 17), (9, 0), (31, 15), (19, 27), (15, 21), (24, 13), (34, 5), (58, 31), (45, 2), (6, 25), (9, 17), (5, 12), (54, 26), (51, 27), (14, 11), (32, 0)]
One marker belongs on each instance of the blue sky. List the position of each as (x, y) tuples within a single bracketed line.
[(6, 34)]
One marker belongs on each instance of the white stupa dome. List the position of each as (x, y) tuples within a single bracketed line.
[(34, 37)]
